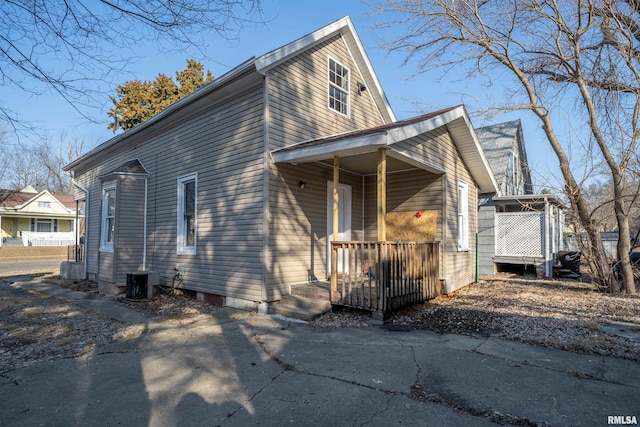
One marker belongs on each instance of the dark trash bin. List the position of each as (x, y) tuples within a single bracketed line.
[(570, 260)]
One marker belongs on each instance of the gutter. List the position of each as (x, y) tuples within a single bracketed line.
[(86, 224), (202, 91)]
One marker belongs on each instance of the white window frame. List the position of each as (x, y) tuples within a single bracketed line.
[(106, 245), (333, 86), (45, 204), (182, 247), (463, 216)]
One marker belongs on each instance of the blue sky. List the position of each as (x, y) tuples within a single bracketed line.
[(285, 22)]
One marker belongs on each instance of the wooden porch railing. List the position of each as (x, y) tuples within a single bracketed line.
[(75, 253), (384, 276)]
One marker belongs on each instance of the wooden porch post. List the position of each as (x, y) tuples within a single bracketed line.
[(382, 195), (336, 223)]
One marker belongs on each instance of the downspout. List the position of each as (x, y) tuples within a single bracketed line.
[(476, 255), (86, 224), (144, 228)]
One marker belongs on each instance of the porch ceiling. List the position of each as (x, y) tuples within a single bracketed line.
[(367, 163)]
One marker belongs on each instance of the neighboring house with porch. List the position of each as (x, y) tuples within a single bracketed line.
[(517, 229), (235, 190), (32, 218)]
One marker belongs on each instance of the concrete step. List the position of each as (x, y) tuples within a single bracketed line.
[(316, 290), (298, 307)]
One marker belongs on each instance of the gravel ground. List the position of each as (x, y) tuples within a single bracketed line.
[(568, 315)]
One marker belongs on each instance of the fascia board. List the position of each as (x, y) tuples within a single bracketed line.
[(204, 90), (276, 57), (415, 129), (351, 146), (272, 59), (373, 74), (493, 184)]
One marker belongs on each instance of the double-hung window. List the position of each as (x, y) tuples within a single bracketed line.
[(338, 87), (463, 216), (108, 218), (187, 214)]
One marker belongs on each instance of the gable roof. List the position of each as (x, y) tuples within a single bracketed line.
[(386, 136), (262, 65), (498, 141), (14, 199), (345, 28)]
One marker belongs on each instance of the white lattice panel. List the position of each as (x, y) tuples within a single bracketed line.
[(520, 234)]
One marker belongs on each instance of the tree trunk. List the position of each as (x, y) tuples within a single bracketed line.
[(624, 242)]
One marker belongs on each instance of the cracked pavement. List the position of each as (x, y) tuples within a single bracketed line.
[(237, 369)]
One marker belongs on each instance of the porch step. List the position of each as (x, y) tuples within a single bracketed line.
[(298, 307), (315, 290)]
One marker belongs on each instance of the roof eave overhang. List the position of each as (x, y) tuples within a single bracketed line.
[(345, 147), (276, 57), (216, 84), (550, 198), (471, 150), (359, 144)]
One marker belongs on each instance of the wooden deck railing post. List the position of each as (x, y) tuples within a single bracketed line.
[(384, 276)]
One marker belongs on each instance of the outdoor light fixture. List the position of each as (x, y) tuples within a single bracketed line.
[(361, 87), (302, 184)]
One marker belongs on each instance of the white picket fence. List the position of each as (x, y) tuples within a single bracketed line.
[(34, 238)]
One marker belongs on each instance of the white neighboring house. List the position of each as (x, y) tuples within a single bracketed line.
[(32, 218)]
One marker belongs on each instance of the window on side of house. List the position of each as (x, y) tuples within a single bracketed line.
[(187, 214), (463, 216), (338, 87), (108, 231), (44, 204)]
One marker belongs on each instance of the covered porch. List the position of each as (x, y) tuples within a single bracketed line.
[(397, 259), (416, 182), (528, 231), (394, 260)]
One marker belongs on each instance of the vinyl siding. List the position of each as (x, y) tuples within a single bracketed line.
[(438, 149), (130, 220), (486, 234), (298, 110), (221, 140), (298, 97), (299, 223)]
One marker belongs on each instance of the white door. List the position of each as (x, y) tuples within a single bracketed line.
[(344, 224)]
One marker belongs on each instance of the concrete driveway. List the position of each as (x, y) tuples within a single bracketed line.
[(239, 369)]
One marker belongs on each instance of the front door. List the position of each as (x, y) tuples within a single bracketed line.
[(344, 224)]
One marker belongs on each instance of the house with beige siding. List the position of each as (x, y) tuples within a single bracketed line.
[(235, 191)]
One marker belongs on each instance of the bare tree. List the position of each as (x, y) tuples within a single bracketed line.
[(70, 46), (41, 166), (552, 51)]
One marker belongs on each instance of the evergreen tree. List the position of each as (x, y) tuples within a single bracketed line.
[(137, 101)]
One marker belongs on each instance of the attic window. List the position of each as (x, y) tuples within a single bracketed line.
[(44, 204), (338, 87)]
